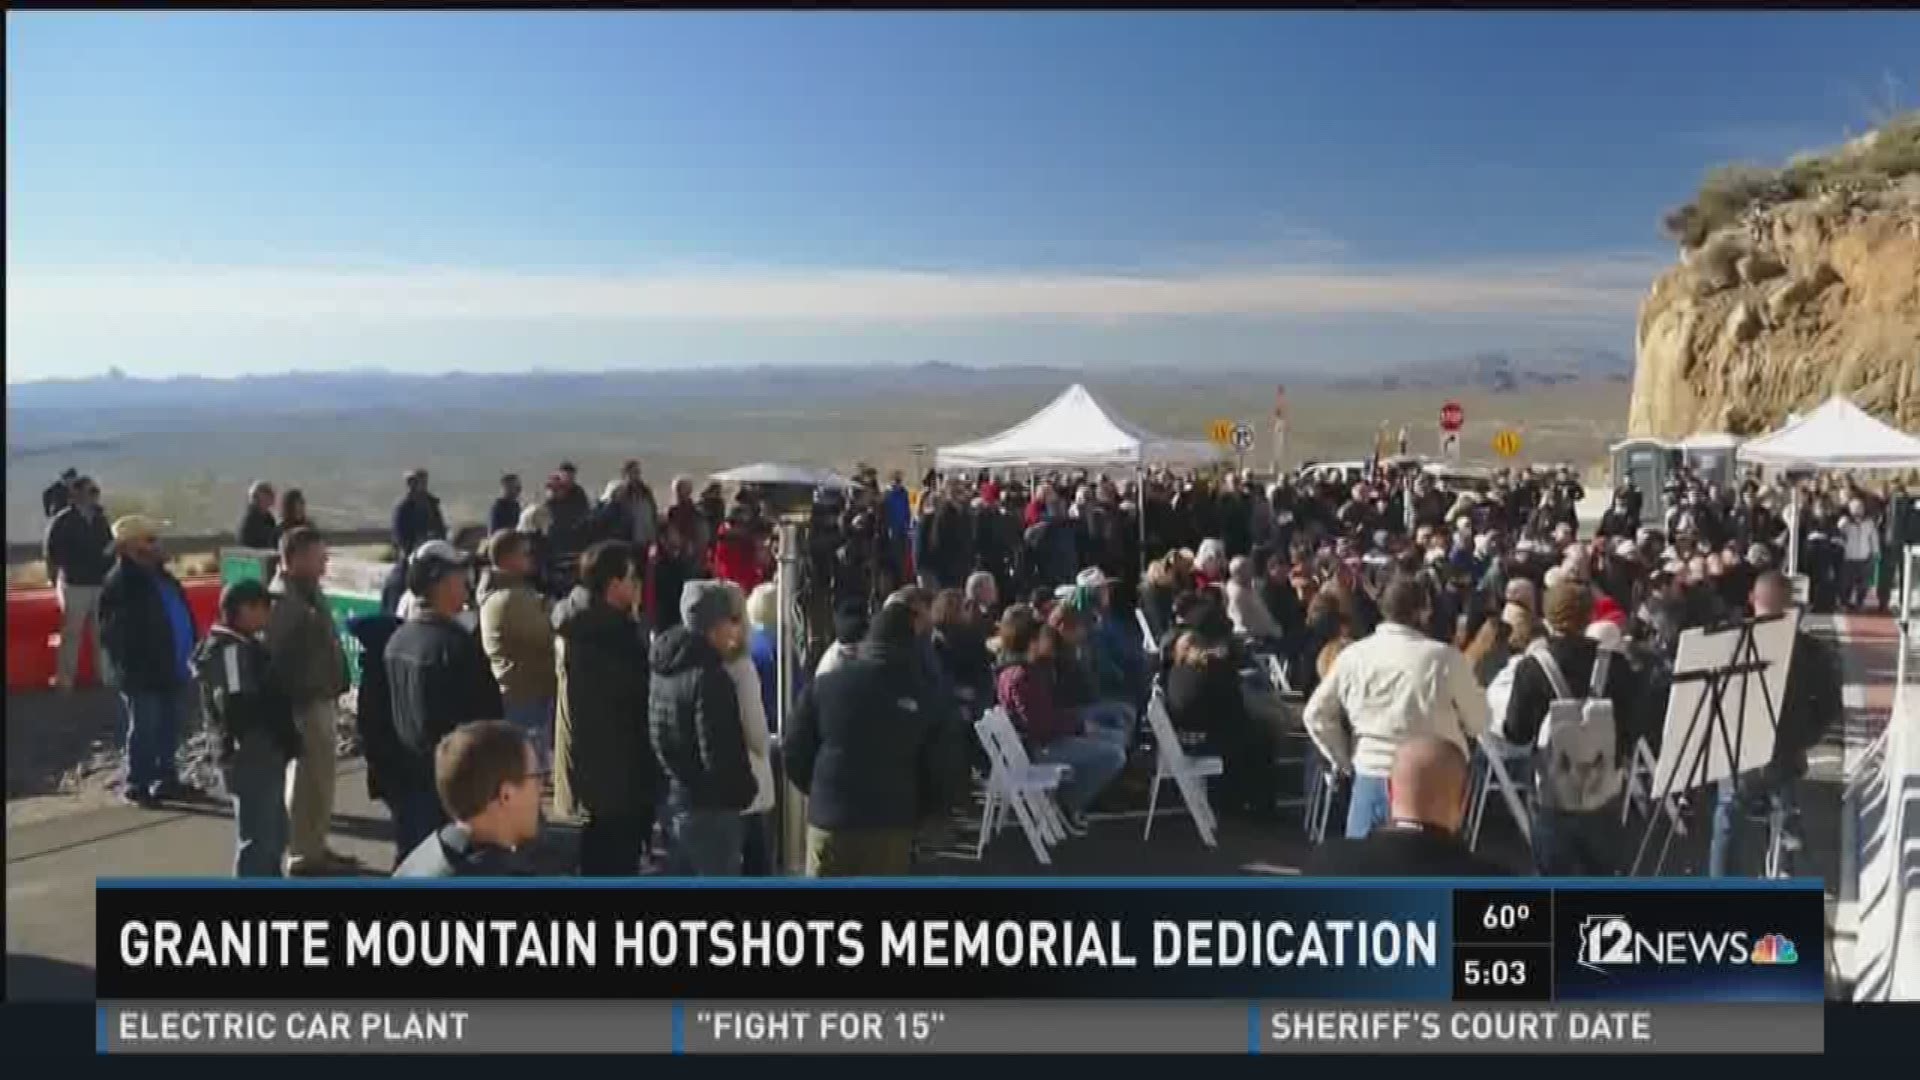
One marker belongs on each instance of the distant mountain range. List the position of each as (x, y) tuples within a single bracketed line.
[(365, 388), (1502, 372)]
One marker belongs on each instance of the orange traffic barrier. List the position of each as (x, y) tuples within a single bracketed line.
[(33, 634)]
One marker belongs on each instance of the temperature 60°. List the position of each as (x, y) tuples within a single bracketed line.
[(1505, 916)]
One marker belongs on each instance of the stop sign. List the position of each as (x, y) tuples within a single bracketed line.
[(1452, 416)]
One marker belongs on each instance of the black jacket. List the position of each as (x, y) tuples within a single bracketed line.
[(1400, 849), (572, 518), (394, 589), (238, 695), (504, 514), (79, 546), (440, 678), (56, 497), (1283, 603), (1205, 699), (1303, 653), (416, 521), (950, 548), (1157, 602), (966, 663), (1618, 523), (1533, 693), (452, 852), (693, 718), (135, 630), (604, 757), (874, 746), (389, 768), (1812, 702), (257, 529)]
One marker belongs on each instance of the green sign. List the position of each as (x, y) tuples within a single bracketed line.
[(250, 564)]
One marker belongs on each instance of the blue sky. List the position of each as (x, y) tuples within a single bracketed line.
[(219, 193)]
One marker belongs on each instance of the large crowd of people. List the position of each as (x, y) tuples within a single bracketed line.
[(623, 648)]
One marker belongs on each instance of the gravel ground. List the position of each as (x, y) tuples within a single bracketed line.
[(63, 754)]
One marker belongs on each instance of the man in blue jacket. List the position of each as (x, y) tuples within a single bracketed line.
[(896, 513), (147, 632)]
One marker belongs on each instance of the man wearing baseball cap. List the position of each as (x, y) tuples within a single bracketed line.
[(252, 724), (147, 632), (440, 679)]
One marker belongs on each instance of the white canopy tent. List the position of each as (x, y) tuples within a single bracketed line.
[(766, 472), (1837, 435), (1074, 430)]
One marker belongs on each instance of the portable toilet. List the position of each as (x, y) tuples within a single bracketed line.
[(1711, 454), (1647, 462)]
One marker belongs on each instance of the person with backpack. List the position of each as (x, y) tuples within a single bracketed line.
[(59, 494), (252, 722), (1808, 708), (1573, 701)]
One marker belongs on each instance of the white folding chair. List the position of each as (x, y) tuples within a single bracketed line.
[(1045, 808), (1322, 786), (1019, 786), (1188, 772), (1277, 675), (1501, 759), (1317, 801), (1151, 643)]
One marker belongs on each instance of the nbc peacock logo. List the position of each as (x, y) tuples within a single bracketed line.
[(1774, 949)]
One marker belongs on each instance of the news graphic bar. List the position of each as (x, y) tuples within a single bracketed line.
[(1211, 966), (954, 1027), (872, 941)]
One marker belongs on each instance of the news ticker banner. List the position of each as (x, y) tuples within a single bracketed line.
[(955, 1027), (1620, 963)]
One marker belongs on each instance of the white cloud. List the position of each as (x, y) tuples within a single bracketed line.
[(1578, 289)]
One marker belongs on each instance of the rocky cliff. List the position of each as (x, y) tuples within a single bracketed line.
[(1803, 291)]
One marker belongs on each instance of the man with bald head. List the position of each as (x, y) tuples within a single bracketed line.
[(1427, 801)]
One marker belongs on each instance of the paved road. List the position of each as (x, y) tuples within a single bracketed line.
[(52, 864)]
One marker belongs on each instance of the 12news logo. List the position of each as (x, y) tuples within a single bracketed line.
[(1611, 941)]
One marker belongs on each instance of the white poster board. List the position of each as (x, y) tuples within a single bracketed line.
[(355, 577), (1750, 731)]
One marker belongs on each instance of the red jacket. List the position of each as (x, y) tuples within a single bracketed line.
[(736, 558), (1027, 692), (1605, 609)]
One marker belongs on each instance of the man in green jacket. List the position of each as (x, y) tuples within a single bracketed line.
[(311, 672)]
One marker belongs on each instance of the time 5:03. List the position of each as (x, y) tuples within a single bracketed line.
[(1494, 972)]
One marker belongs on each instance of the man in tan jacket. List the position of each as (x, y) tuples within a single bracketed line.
[(311, 670), (517, 631)]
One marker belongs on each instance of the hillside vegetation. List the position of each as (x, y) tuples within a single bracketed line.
[(1874, 160)]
